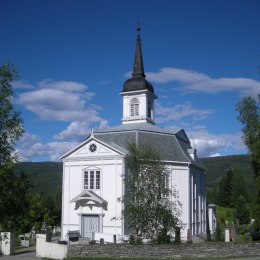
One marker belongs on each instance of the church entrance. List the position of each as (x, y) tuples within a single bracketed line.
[(90, 223)]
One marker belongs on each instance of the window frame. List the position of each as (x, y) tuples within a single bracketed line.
[(91, 179), (134, 107)]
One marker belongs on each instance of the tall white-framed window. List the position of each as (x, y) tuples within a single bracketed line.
[(134, 107), (92, 180)]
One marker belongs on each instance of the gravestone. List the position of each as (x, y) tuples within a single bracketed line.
[(189, 236), (233, 233)]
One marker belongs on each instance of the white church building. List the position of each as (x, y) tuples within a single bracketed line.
[(93, 172)]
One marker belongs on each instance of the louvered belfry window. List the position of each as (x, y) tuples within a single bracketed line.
[(134, 107)]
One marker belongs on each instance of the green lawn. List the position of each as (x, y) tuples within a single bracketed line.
[(224, 214)]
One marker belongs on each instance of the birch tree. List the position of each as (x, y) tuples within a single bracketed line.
[(151, 208)]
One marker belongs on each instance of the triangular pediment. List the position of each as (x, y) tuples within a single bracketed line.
[(88, 198), (91, 148)]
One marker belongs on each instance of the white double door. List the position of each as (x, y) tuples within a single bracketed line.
[(90, 223)]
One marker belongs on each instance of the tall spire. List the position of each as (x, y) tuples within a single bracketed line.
[(138, 69), (138, 94)]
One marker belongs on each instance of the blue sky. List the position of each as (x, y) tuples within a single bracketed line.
[(74, 56)]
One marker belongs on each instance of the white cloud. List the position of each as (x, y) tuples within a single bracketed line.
[(67, 86), (180, 111), (215, 155), (194, 81), (76, 130), (30, 148), (62, 101), (21, 84), (209, 144)]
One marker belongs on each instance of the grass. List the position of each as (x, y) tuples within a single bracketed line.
[(225, 214)]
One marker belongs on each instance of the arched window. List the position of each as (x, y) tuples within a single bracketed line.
[(134, 107)]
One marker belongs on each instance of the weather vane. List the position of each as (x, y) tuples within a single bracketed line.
[(138, 24)]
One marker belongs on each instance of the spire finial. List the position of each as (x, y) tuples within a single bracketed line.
[(138, 69), (138, 25)]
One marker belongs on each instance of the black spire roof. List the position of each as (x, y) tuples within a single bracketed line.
[(138, 81)]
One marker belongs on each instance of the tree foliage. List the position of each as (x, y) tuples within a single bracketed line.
[(231, 186), (242, 210), (20, 209), (14, 200), (151, 207), (11, 128), (249, 116)]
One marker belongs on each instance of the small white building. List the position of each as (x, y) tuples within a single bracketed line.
[(93, 172)]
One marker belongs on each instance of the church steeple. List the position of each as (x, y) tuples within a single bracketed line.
[(138, 93), (138, 69)]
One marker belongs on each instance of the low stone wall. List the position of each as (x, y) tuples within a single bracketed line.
[(202, 250)]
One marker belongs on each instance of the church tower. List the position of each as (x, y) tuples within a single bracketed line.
[(138, 94)]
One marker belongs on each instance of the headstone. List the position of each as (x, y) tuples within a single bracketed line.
[(189, 236), (25, 243), (227, 235), (233, 233), (177, 235), (102, 242), (48, 236), (114, 239)]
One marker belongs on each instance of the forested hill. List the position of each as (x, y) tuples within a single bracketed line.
[(47, 176), (217, 166)]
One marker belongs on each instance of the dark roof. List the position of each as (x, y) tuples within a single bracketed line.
[(172, 146), (138, 81)]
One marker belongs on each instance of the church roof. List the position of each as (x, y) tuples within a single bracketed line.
[(172, 146), (138, 81)]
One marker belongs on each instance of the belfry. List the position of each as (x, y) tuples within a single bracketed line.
[(138, 94)]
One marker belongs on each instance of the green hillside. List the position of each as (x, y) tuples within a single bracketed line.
[(47, 176), (216, 167)]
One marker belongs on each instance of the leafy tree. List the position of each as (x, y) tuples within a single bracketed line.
[(231, 187), (242, 210), (14, 200), (148, 210), (14, 188), (52, 208), (239, 186), (11, 128), (249, 116), (226, 189), (35, 213)]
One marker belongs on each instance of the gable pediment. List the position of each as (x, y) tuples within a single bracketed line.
[(91, 148)]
